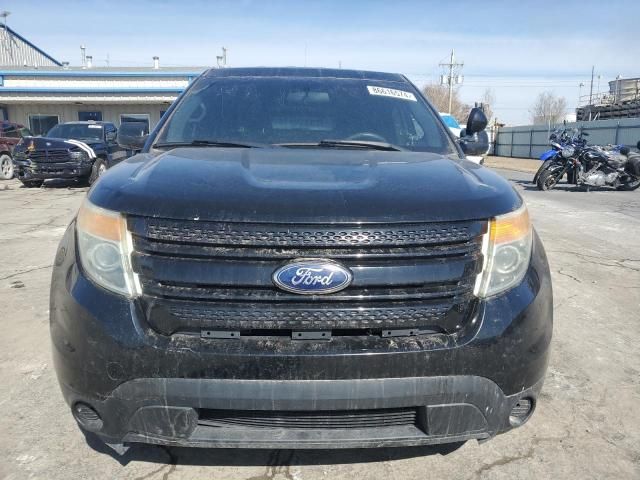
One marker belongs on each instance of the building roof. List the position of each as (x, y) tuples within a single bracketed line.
[(101, 71), (17, 51)]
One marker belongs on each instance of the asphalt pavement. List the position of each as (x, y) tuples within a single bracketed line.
[(586, 425)]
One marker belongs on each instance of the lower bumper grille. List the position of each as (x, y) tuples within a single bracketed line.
[(311, 420)]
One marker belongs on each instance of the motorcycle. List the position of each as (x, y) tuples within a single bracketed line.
[(595, 166), (558, 140)]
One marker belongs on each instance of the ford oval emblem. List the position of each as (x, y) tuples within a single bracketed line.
[(312, 277)]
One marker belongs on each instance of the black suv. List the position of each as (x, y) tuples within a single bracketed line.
[(80, 150), (301, 258)]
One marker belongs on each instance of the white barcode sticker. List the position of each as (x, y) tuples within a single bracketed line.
[(391, 92)]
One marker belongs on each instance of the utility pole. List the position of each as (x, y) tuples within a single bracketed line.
[(591, 89), (4, 14), (9, 44), (453, 77), (222, 59)]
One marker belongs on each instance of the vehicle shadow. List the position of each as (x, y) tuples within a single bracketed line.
[(228, 457), (60, 183), (65, 183), (565, 187)]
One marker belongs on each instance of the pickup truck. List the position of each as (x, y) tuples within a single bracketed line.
[(301, 258), (10, 135), (73, 150)]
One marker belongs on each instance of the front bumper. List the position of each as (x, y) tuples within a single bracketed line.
[(155, 389), (170, 411), (27, 170)]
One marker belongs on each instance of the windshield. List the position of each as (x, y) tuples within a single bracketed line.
[(76, 131), (450, 121), (286, 110)]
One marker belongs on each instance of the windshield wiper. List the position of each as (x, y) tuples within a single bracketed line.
[(364, 144), (208, 143)]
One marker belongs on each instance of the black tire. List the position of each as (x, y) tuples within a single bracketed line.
[(32, 183), (548, 179), (542, 168), (629, 186), (99, 167), (6, 167)]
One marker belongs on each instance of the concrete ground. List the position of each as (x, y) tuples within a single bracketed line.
[(586, 425), (526, 165)]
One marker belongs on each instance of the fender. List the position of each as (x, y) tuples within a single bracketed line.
[(548, 155)]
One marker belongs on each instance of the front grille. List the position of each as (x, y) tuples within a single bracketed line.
[(56, 155), (285, 236), (313, 420), (212, 276)]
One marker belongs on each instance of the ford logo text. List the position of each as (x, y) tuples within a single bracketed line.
[(312, 277)]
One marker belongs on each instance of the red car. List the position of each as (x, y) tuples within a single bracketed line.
[(10, 134)]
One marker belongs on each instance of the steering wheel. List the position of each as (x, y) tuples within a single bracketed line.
[(367, 136)]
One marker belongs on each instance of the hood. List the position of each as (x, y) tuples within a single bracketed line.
[(286, 185)]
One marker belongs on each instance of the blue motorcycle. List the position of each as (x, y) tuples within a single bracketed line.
[(567, 141)]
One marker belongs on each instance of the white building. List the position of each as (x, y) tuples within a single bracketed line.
[(38, 91)]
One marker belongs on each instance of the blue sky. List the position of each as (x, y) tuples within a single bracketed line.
[(518, 48)]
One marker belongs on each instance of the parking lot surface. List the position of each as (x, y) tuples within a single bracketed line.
[(585, 426)]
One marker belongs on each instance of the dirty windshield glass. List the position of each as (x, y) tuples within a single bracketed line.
[(305, 111), (76, 131)]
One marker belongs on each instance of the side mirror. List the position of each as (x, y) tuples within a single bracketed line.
[(477, 144), (477, 121), (473, 139), (638, 145), (132, 135), (111, 136)]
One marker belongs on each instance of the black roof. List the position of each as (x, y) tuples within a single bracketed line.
[(304, 72)]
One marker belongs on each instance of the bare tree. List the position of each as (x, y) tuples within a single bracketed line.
[(488, 100), (548, 108), (438, 95)]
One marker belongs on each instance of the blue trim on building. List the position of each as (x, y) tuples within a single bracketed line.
[(93, 73), (42, 52), (91, 90)]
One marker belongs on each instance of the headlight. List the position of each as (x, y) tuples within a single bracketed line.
[(507, 251), (568, 152), (79, 155), (104, 246)]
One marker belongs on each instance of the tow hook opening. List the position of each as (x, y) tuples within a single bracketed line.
[(521, 411), (87, 417)]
